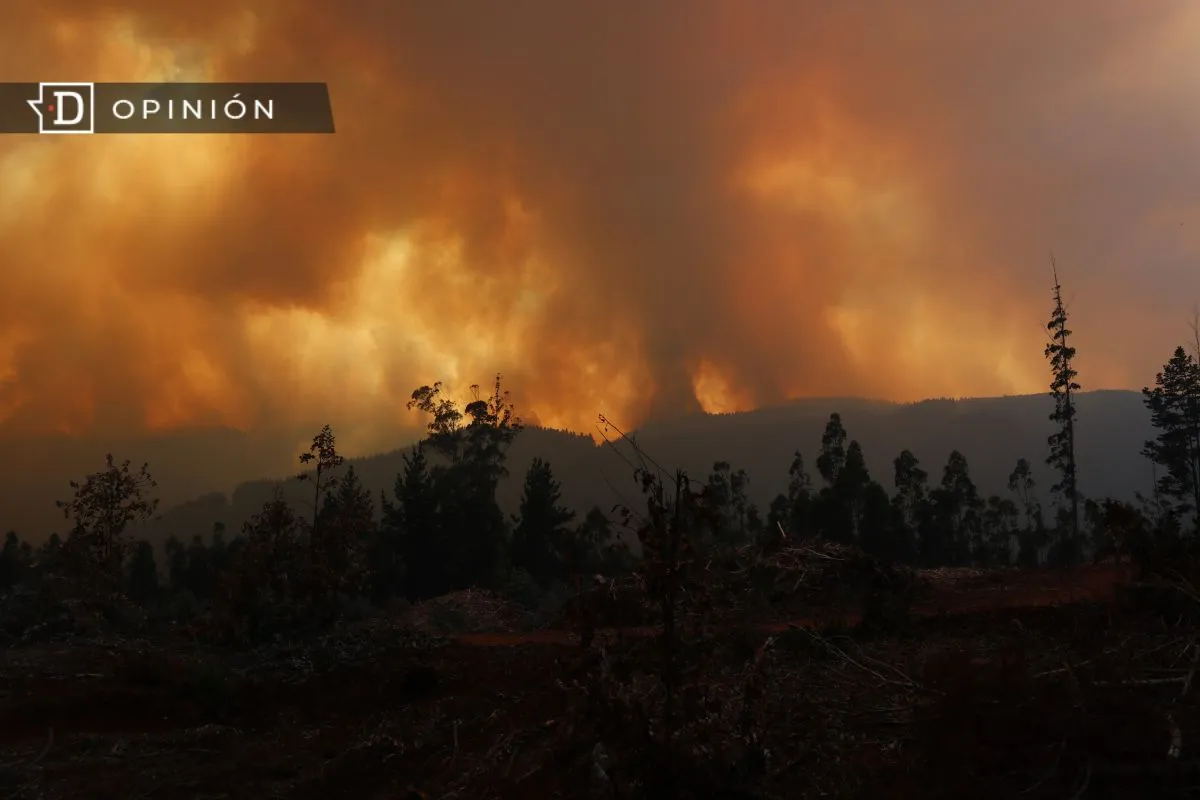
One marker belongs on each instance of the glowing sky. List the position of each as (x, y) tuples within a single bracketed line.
[(625, 207)]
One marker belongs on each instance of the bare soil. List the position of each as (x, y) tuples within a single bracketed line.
[(954, 591)]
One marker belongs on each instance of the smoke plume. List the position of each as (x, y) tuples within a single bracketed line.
[(629, 208)]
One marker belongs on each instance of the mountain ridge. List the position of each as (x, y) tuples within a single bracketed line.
[(991, 432)]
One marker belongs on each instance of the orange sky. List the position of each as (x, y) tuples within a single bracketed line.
[(622, 206)]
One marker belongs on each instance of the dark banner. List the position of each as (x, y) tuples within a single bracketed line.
[(83, 108)]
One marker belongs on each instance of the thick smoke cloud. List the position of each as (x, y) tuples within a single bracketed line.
[(625, 207)]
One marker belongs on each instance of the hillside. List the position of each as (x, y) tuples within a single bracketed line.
[(992, 432)]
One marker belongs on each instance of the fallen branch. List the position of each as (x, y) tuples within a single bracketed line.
[(1187, 684), (1144, 681), (905, 681)]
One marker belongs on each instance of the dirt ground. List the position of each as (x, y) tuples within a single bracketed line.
[(377, 709), (953, 591)]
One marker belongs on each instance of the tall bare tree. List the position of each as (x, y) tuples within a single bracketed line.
[(1063, 387), (322, 457)]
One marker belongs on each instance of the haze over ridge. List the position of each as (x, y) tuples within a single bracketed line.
[(210, 476)]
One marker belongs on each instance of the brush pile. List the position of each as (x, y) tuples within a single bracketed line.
[(618, 603), (803, 581), (1119, 721), (809, 579), (467, 611)]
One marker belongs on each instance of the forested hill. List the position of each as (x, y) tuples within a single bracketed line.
[(991, 432)]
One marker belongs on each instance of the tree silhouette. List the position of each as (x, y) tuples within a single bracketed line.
[(1022, 484), (910, 502), (1125, 530), (998, 528), (445, 420), (103, 508), (850, 489), (833, 450), (323, 457), (910, 482), (475, 442), (957, 505), (479, 434), (725, 493), (410, 525), (267, 569), (1174, 405), (348, 523), (493, 424), (1061, 356), (793, 511), (539, 541), (594, 546)]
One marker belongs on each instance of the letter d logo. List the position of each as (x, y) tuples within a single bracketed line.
[(65, 107)]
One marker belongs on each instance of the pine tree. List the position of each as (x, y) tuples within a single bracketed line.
[(1174, 405), (412, 525), (541, 533), (348, 519), (1061, 356)]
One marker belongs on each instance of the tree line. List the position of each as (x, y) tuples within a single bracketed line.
[(441, 529)]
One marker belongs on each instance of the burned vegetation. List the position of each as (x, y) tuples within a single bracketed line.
[(849, 642)]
